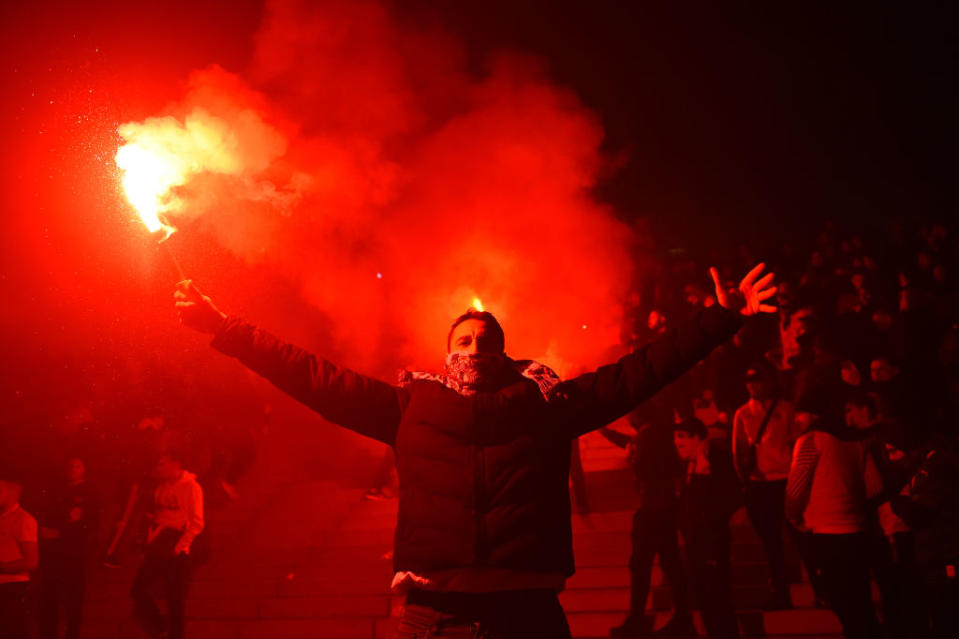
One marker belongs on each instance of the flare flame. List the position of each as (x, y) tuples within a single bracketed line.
[(148, 177)]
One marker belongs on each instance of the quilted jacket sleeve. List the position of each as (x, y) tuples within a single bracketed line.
[(362, 404), (595, 399)]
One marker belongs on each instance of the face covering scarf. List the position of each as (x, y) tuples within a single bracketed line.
[(472, 373), (546, 379)]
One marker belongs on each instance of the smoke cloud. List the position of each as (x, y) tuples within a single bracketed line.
[(362, 158)]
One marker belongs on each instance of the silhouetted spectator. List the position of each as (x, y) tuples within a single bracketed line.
[(68, 532), (900, 453), (657, 474), (710, 496), (929, 503)]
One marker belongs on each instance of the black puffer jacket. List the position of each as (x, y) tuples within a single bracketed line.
[(483, 479)]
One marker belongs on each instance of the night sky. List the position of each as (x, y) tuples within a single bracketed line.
[(766, 113)]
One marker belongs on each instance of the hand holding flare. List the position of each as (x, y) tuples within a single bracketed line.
[(196, 310)]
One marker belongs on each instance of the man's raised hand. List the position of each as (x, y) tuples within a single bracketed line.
[(749, 297), (196, 310)]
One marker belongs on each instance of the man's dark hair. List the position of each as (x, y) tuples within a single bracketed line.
[(496, 331)]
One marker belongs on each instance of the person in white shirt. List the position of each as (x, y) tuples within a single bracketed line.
[(177, 520), (831, 480), (18, 558), (764, 431)]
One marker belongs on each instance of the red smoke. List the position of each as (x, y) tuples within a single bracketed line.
[(404, 184)]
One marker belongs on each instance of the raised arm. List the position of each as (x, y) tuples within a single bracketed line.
[(595, 399), (360, 403)]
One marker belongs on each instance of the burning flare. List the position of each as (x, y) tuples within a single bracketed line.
[(478, 305), (160, 154), (148, 176)]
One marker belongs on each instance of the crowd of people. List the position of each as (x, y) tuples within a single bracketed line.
[(832, 420), (57, 546), (834, 424)]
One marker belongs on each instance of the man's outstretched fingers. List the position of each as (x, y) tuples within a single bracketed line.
[(753, 274), (715, 275), (766, 294), (764, 280)]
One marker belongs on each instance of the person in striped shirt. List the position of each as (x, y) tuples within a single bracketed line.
[(831, 479)]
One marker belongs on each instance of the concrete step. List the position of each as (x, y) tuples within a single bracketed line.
[(605, 599), (791, 623), (805, 621)]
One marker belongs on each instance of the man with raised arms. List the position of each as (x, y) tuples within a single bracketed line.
[(483, 539)]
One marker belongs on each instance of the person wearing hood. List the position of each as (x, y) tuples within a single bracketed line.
[(483, 539), (177, 520), (831, 480)]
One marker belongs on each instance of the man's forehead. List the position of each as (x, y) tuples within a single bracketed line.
[(470, 326)]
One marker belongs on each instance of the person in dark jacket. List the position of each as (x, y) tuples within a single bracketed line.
[(929, 503), (710, 495), (899, 451), (68, 531), (483, 536), (657, 472)]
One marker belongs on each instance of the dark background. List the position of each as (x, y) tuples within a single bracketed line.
[(726, 114), (763, 115)]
